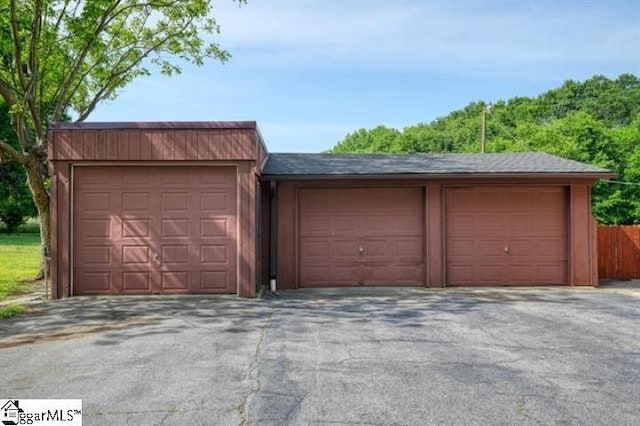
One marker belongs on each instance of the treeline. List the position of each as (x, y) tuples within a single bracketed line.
[(596, 121)]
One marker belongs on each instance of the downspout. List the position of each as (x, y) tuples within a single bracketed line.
[(273, 237)]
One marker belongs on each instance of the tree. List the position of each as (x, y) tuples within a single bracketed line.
[(15, 199), (66, 56), (16, 203), (596, 121)]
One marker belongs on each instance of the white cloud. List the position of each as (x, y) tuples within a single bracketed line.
[(414, 35)]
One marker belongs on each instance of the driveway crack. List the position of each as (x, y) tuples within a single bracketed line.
[(254, 369)]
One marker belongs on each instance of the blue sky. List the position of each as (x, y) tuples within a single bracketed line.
[(309, 72)]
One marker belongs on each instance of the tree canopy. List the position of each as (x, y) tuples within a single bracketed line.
[(596, 121), (61, 57)]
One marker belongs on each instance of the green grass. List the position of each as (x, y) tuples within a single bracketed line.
[(11, 311), (19, 262)]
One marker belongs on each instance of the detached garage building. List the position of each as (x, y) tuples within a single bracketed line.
[(145, 208)]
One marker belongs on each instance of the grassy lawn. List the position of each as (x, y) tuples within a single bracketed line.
[(19, 261)]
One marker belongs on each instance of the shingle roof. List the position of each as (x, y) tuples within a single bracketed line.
[(387, 164)]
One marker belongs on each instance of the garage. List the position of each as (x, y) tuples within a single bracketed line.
[(361, 236), (506, 235), (203, 207), (431, 220), (163, 229), (155, 208)]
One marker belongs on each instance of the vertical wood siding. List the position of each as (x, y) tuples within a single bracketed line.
[(619, 252), (153, 145)]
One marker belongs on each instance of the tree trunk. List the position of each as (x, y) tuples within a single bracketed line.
[(41, 200)]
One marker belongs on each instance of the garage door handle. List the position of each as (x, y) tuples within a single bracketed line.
[(506, 250), (156, 258), (361, 251)]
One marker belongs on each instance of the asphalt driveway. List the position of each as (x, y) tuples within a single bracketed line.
[(361, 356)]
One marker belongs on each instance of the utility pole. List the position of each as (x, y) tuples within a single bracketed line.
[(485, 110)]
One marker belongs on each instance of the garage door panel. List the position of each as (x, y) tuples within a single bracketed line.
[(396, 274), (314, 225), (521, 274), (177, 281), (461, 248), (175, 202), (550, 274), (490, 273), (531, 223), (462, 273), (541, 249), (95, 180), (137, 177), (315, 275), (134, 202), (407, 224), (136, 281), (346, 274), (377, 249), (553, 248), (155, 211), (96, 228), (549, 225), (345, 224), (96, 281), (319, 249), (518, 224), (95, 201), (215, 254), (314, 202), (480, 248), (483, 200), (214, 201), (410, 249), (345, 249), (214, 228), (175, 255), (99, 255), (175, 227), (175, 176), (136, 255), (214, 281), (386, 223), (136, 228), (465, 223), (546, 199)]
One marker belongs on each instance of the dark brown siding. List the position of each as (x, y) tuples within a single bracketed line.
[(150, 145), (265, 231), (434, 221), (285, 239)]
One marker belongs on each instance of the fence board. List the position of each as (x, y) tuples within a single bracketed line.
[(619, 252)]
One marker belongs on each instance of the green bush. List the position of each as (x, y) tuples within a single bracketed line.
[(16, 203)]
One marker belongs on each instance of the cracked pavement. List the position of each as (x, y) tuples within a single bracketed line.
[(350, 356)]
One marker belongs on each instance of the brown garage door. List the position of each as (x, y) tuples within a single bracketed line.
[(506, 236), (140, 230), (361, 237)]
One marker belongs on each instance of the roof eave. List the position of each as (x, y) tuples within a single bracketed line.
[(433, 176), (154, 125)]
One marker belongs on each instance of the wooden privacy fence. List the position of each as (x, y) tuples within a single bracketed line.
[(619, 252)]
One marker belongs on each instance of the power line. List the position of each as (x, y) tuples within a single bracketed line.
[(622, 182)]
